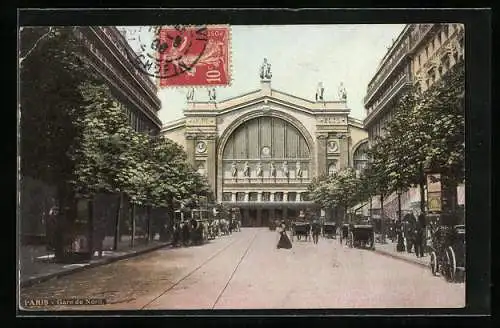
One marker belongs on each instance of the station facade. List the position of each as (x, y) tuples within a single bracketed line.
[(260, 150)]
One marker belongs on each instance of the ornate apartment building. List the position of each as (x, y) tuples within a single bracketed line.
[(420, 55), (137, 93), (261, 149)]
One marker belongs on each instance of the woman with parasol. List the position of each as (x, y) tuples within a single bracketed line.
[(284, 241)]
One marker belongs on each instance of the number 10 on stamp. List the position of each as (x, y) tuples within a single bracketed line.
[(195, 56)]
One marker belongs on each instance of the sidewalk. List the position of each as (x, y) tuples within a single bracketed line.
[(389, 249), (36, 264)]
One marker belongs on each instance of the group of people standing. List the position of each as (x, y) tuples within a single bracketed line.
[(411, 234)]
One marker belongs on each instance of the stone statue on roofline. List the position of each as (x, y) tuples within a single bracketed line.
[(342, 92), (190, 95), (319, 92), (265, 70)]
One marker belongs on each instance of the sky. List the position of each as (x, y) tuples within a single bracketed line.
[(301, 56)]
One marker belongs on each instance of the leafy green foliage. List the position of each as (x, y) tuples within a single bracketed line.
[(79, 135), (427, 129), (340, 189)]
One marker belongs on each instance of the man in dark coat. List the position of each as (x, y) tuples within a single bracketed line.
[(420, 236), (400, 247), (316, 229)]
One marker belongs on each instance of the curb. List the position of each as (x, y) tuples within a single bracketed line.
[(390, 254), (36, 280)]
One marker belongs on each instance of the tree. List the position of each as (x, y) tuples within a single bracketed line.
[(337, 190), (50, 72), (427, 130)]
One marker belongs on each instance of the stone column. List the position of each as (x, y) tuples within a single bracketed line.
[(259, 196), (344, 152), (246, 196), (298, 197), (272, 197), (321, 154), (212, 162), (285, 196), (233, 197), (190, 149)]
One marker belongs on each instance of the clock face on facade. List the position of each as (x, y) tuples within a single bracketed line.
[(333, 146), (201, 147), (266, 151)]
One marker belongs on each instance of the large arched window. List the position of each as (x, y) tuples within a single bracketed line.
[(360, 157), (266, 147)]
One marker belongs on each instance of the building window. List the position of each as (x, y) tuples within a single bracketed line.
[(292, 196), (252, 196), (240, 196), (226, 196), (332, 168), (266, 196), (278, 196)]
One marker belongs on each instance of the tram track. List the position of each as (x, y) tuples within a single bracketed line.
[(234, 270), (200, 266)]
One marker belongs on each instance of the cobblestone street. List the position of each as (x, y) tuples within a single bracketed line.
[(245, 271)]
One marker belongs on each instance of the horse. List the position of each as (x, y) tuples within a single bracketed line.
[(224, 226)]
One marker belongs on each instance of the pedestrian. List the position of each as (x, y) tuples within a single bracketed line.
[(419, 236), (316, 229), (176, 234), (99, 235), (400, 246), (284, 241), (185, 233)]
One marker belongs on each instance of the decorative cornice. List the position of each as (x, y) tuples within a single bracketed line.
[(199, 136), (322, 136)]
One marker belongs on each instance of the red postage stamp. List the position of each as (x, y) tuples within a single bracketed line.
[(194, 56)]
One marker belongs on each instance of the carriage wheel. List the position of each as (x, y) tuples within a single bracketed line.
[(351, 239), (433, 263), (451, 264)]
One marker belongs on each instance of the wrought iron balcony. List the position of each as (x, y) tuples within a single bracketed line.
[(387, 96)]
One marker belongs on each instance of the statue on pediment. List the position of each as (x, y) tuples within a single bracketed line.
[(211, 94), (273, 170), (319, 92), (246, 170), (299, 170), (265, 70), (259, 169), (342, 92), (286, 173), (234, 169), (190, 94)]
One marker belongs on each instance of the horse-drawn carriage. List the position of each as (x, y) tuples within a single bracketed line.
[(330, 230), (199, 231), (344, 233), (361, 235), (301, 229), (448, 252)]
